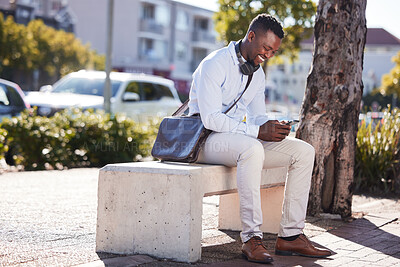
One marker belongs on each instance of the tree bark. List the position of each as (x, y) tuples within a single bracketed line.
[(330, 110)]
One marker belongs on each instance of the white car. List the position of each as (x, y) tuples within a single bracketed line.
[(136, 95), (12, 99)]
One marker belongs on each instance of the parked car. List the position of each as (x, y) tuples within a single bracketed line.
[(12, 99), (136, 95)]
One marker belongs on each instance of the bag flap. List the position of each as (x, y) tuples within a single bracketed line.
[(177, 136)]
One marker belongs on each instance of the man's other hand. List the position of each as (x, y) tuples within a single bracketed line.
[(273, 131)]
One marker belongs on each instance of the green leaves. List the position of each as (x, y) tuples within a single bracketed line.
[(3, 145), (391, 81), (39, 47), (297, 16), (17, 48), (377, 153), (74, 138)]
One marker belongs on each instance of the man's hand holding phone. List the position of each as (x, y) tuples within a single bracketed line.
[(273, 131), (291, 123)]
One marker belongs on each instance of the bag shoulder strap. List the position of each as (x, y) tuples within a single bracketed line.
[(184, 106), (181, 109), (237, 100)]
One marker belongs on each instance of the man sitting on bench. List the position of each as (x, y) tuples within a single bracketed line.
[(256, 143)]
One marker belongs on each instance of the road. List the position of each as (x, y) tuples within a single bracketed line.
[(48, 217)]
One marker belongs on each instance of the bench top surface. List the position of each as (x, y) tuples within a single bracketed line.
[(213, 179), (161, 167)]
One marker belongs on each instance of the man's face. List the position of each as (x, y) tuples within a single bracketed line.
[(263, 45)]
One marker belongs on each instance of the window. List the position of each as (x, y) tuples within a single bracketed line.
[(148, 45), (10, 97), (56, 5), (134, 87), (86, 86), (162, 15), (14, 97), (153, 91), (148, 11), (201, 24), (182, 21), (198, 55), (133, 90), (181, 50), (38, 6), (25, 2), (152, 49), (3, 96), (159, 13)]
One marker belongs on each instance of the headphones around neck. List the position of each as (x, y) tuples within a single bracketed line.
[(246, 67)]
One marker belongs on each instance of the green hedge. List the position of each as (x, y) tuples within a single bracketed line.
[(377, 154), (75, 138), (3, 145)]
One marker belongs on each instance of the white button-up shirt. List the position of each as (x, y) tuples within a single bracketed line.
[(217, 83)]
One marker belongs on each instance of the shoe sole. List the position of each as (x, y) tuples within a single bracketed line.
[(266, 262), (290, 253)]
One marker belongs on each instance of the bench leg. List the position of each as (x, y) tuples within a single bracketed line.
[(146, 213), (271, 203)]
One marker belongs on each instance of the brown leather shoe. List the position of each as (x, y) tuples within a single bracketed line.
[(255, 251), (300, 246)]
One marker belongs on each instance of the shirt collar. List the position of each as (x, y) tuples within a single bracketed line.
[(231, 49)]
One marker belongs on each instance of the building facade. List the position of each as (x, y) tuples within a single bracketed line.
[(170, 38), (286, 83), (54, 13), (161, 37)]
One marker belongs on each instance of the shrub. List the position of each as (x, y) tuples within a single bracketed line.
[(377, 153), (73, 138), (3, 146)]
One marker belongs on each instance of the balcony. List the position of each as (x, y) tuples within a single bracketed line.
[(147, 25), (203, 36)]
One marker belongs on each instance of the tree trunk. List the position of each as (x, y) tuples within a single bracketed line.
[(329, 115)]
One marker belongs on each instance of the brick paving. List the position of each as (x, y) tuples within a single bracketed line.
[(49, 219)]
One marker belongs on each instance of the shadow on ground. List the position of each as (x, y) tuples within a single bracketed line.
[(369, 232), (356, 239)]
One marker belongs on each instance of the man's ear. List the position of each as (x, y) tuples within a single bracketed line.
[(250, 36)]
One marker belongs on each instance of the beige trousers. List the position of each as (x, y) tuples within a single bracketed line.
[(251, 155)]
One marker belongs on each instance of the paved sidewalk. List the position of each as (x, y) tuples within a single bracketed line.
[(370, 241), (48, 218)]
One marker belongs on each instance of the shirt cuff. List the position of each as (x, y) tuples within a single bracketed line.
[(252, 130)]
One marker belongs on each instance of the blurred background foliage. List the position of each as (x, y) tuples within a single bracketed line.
[(377, 154), (233, 18), (391, 81), (75, 138), (37, 50), (389, 91)]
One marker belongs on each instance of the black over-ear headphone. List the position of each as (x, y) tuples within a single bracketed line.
[(246, 67)]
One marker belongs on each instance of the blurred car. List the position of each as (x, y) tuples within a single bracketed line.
[(136, 95), (12, 99)]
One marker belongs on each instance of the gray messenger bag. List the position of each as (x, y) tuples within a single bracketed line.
[(180, 137)]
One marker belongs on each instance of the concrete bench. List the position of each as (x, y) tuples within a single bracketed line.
[(155, 208)]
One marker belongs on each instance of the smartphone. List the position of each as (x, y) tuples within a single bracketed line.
[(293, 122)]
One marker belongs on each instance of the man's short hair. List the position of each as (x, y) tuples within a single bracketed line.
[(267, 22)]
